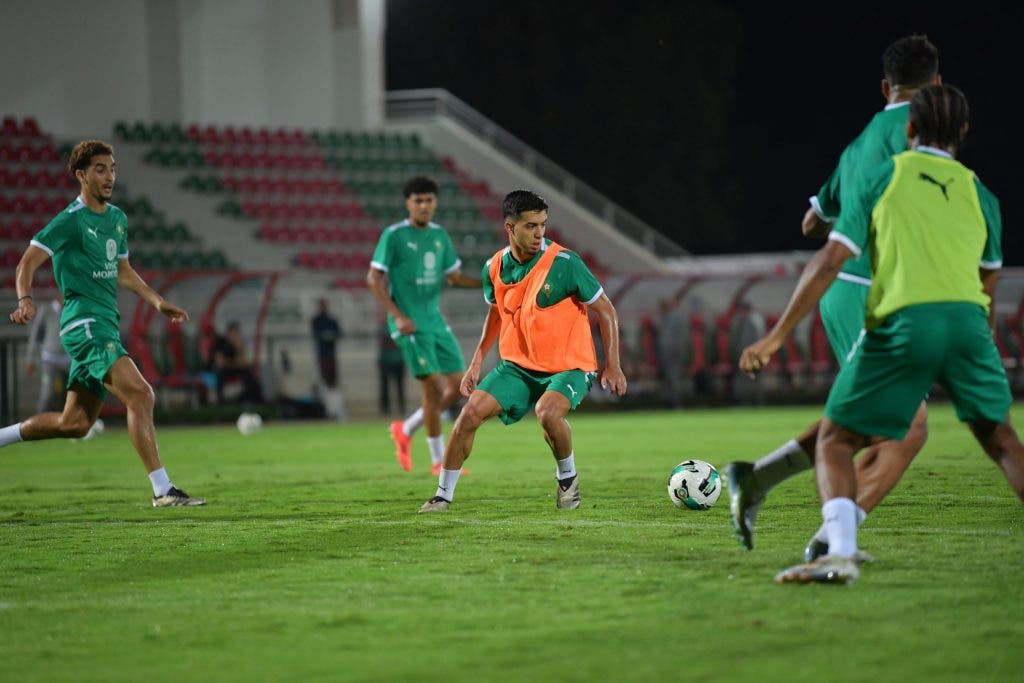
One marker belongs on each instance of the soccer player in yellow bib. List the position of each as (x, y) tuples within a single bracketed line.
[(932, 230), (908, 64), (88, 243)]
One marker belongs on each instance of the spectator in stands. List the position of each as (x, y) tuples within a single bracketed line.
[(413, 261), (231, 362), (54, 362), (391, 370), (671, 337), (88, 243), (747, 327), (326, 335)]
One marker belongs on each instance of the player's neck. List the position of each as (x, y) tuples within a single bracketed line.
[(520, 255), (901, 94), (92, 203), (417, 224)]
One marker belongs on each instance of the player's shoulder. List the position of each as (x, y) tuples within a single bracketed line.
[(69, 214), (116, 212), (985, 193), (395, 227), (567, 254), (500, 254)]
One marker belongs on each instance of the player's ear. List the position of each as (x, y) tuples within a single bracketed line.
[(911, 134), (886, 89)]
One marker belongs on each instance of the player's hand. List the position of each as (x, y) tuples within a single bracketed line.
[(24, 313), (468, 384), (613, 380), (176, 314), (405, 324), (756, 356)]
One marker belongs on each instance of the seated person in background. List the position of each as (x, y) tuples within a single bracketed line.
[(230, 362)]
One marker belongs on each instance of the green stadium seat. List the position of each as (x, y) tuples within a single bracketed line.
[(216, 259), (139, 132)]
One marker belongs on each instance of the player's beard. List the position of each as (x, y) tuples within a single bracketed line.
[(98, 194)]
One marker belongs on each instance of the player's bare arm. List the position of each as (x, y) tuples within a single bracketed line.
[(459, 279), (814, 225), (989, 280), (612, 378), (492, 327), (128, 278), (376, 280), (26, 270), (818, 275)]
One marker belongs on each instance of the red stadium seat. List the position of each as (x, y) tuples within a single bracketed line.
[(30, 127), (10, 127)]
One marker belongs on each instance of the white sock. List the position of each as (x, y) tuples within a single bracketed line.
[(161, 482), (566, 467), (822, 534), (413, 422), (436, 445), (10, 434), (446, 482), (840, 516), (781, 464)]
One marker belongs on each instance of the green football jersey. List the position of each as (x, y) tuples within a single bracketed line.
[(85, 247), (929, 224), (417, 260), (569, 276), (884, 136)]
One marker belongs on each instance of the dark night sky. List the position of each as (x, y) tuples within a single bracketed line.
[(712, 121)]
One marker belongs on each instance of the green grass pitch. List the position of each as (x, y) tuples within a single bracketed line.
[(310, 564)]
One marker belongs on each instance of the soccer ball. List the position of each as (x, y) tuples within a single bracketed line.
[(694, 484), (249, 423)]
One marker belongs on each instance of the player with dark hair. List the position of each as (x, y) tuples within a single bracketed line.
[(412, 262), (908, 64), (539, 294), (933, 232), (88, 242)]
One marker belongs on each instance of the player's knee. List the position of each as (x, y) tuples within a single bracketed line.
[(141, 397), (74, 426), (468, 421), (549, 416)]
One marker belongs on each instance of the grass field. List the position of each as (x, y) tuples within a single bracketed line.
[(310, 564)]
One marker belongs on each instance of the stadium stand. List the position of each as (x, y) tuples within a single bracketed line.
[(254, 224)]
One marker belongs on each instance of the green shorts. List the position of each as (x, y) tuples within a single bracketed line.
[(894, 366), (517, 389), (430, 353), (842, 314), (94, 346)]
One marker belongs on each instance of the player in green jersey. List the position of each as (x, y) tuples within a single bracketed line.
[(933, 231), (908, 65), (413, 261), (88, 243), (547, 356)]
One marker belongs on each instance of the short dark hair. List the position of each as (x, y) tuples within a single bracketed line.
[(420, 184), (84, 151), (518, 201), (911, 61), (940, 115)]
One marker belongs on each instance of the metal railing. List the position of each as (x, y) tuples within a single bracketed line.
[(437, 102)]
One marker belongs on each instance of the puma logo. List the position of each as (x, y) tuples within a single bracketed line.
[(91, 230), (569, 387), (924, 176)]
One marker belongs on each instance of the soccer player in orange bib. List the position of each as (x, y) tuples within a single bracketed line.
[(539, 294)]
